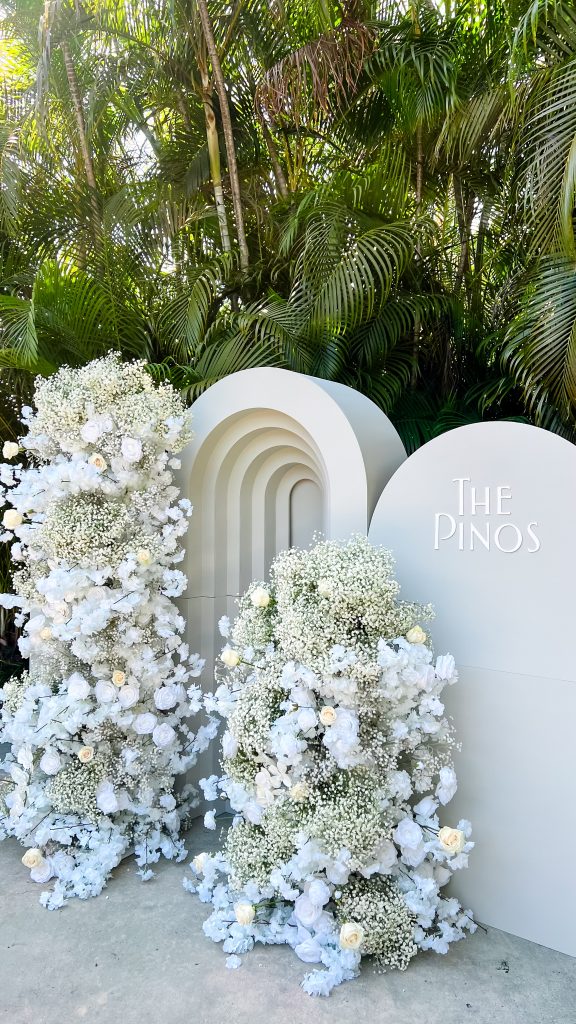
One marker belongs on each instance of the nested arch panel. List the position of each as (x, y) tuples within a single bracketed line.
[(354, 446), (306, 515), (276, 457), (236, 486)]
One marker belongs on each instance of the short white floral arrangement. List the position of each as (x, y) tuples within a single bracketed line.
[(337, 759), (97, 727)]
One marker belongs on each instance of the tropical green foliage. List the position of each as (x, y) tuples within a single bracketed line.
[(377, 193)]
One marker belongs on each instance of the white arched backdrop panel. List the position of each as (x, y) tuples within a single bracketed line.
[(276, 457), (481, 523)]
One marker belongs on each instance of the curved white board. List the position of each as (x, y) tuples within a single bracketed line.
[(481, 521)]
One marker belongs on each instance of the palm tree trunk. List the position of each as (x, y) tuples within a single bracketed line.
[(82, 136), (288, 161), (228, 133), (415, 16), (279, 176), (214, 159), (419, 168), (464, 214), (419, 194), (477, 290)]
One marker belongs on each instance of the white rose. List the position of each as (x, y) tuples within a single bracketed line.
[(299, 792), (128, 695), (50, 762), (106, 798), (143, 556), (90, 431), (351, 935), (105, 692), (45, 633), (307, 912), (144, 723), (345, 725), (86, 754), (230, 657), (414, 856), (118, 677), (78, 687), (12, 518), (199, 862), (386, 854), (33, 858), (165, 698), (42, 874), (131, 449), (244, 913), (452, 840), (307, 719), (10, 449), (163, 735), (328, 715), (260, 597), (408, 834), (98, 461), (416, 635), (325, 588), (310, 951), (318, 892)]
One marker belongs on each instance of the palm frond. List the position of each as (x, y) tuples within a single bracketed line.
[(540, 346)]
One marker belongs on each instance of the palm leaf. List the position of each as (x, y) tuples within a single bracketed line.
[(541, 343)]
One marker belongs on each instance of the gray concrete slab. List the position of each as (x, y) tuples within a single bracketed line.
[(137, 955)]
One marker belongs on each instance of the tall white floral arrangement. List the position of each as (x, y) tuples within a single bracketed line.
[(98, 727), (337, 760)]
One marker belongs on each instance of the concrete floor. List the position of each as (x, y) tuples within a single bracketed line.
[(137, 955)]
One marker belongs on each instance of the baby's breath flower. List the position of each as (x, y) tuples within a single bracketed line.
[(385, 925)]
